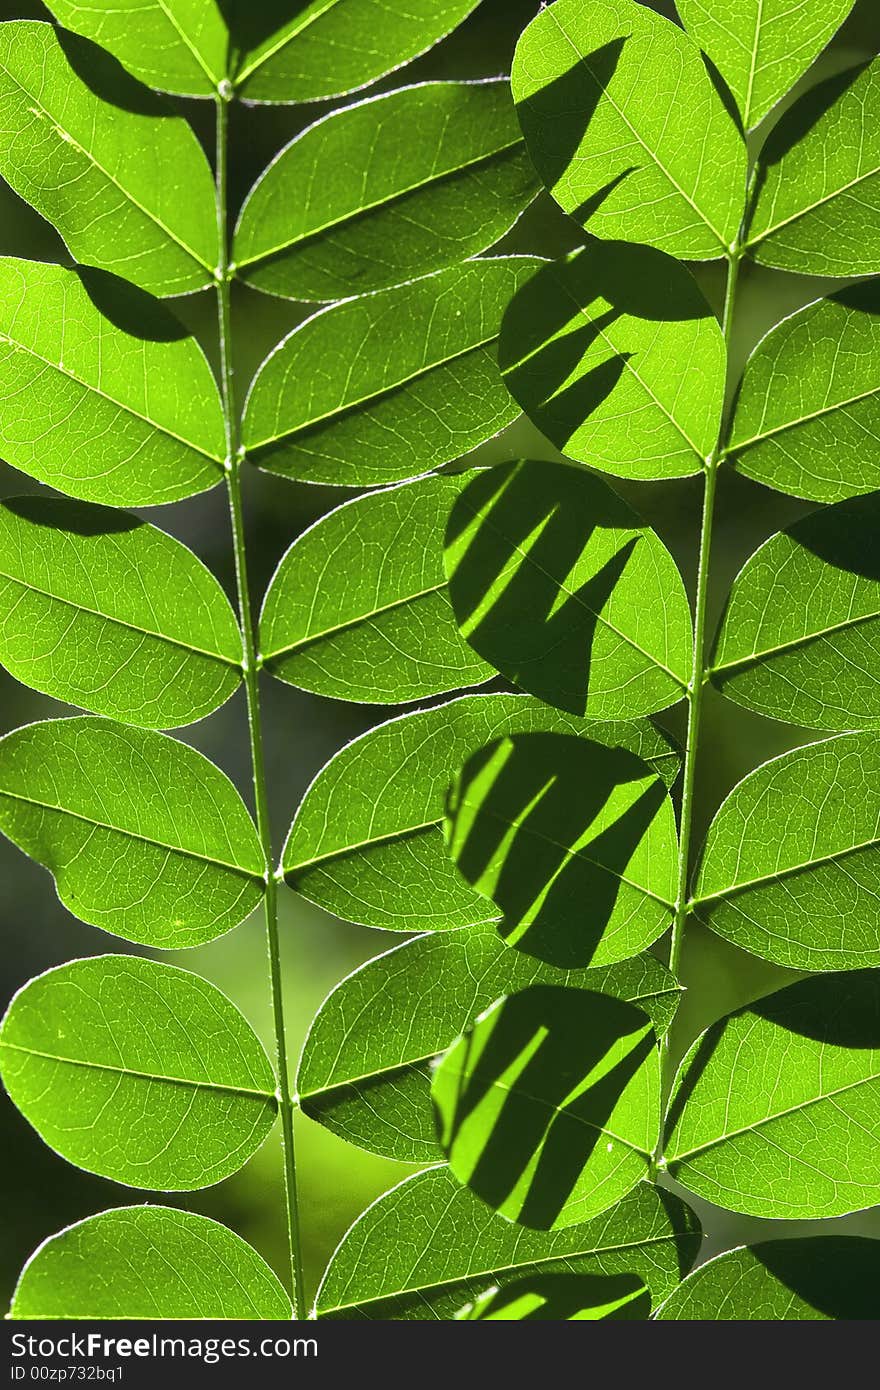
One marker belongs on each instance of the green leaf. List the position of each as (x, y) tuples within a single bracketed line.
[(821, 1277), (818, 205), (105, 395), (776, 1110), (137, 1071), (367, 843), (428, 1246), (148, 1262), (616, 356), (358, 608), (144, 836), (557, 583), (800, 639), (809, 405), (442, 174), (123, 179), (101, 610), (762, 47), (626, 129), (574, 841), (562, 1298), (389, 386), (548, 1107), (371, 1084), (791, 869)]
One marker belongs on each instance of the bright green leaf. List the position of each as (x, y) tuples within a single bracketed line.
[(562, 1298), (762, 47), (367, 840), (791, 866), (616, 356), (124, 179), (428, 1246), (800, 639), (372, 1087), (389, 386), (358, 608), (808, 412), (818, 205), (548, 1107), (105, 396), (144, 836), (819, 1277), (442, 174), (625, 128), (776, 1110), (148, 1262), (138, 1071), (101, 610), (557, 583)]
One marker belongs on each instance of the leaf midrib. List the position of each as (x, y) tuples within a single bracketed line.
[(172, 20), (794, 643), (139, 1075), (738, 446), (350, 623), (242, 76), (778, 875), (811, 207)]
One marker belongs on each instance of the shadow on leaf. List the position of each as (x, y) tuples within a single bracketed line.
[(563, 1298)]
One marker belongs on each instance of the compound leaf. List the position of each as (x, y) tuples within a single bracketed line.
[(562, 1298), (776, 1109), (144, 836)]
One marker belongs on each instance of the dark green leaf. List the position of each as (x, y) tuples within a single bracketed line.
[(101, 610), (148, 1262), (762, 47), (557, 583), (358, 608), (791, 866), (123, 179), (442, 173), (144, 836), (120, 409), (800, 639), (562, 1298), (389, 386), (429, 1246), (783, 1281), (626, 129), (616, 356), (366, 1066), (818, 206), (776, 1110), (367, 842), (548, 1107), (137, 1071), (575, 842)]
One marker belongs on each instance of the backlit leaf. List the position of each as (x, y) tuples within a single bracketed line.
[(562, 1298), (144, 836)]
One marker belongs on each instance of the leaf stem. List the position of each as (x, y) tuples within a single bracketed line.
[(251, 682)]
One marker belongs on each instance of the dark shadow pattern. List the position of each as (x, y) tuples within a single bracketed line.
[(565, 1298), (108, 80), (839, 1276), (130, 309), (72, 518)]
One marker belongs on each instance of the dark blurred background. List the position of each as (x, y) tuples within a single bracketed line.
[(41, 1193)]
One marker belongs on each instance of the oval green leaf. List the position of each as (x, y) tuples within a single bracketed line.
[(428, 1246), (818, 205), (367, 840), (123, 179), (383, 388), (147, 1263), (820, 1277), (626, 129), (800, 639), (562, 1298), (372, 1086), (106, 396), (776, 1109), (101, 610), (358, 608), (617, 358), (762, 47), (443, 174), (791, 866), (137, 1071), (557, 583), (548, 1107), (144, 836), (809, 404)]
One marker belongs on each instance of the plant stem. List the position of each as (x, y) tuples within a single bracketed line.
[(251, 682)]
